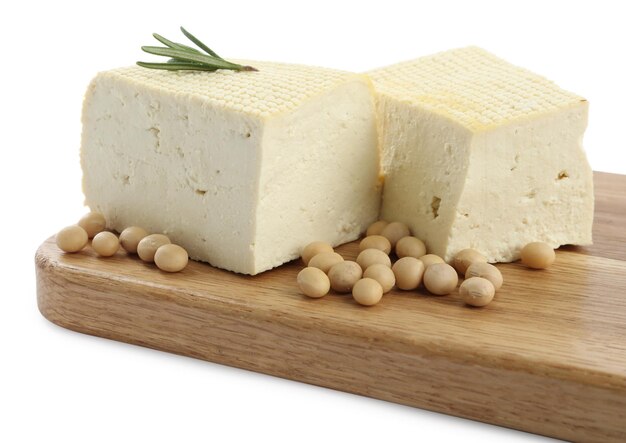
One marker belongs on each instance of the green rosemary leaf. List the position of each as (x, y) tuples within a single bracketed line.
[(201, 45), (189, 56), (176, 61), (174, 66), (174, 45)]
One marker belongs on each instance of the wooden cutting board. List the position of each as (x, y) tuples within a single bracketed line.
[(547, 356)]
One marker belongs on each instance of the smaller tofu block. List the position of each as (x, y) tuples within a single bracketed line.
[(242, 169), (478, 153)]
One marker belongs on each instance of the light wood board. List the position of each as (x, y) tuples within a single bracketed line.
[(547, 356)]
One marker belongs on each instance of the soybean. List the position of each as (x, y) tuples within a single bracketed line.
[(538, 255), (375, 242), (408, 272), (463, 259), (383, 275), (367, 292), (148, 246), (130, 238), (370, 257), (344, 275), (105, 243), (313, 282), (410, 247), (485, 270), (325, 261), (430, 259), (477, 291), (92, 223), (314, 248), (376, 228), (72, 238), (440, 279), (171, 258), (394, 231)]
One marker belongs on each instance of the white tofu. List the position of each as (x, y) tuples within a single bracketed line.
[(242, 169), (478, 153)]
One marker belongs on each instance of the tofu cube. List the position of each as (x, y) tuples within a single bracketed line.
[(242, 169), (478, 153)]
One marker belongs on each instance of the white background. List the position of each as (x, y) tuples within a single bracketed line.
[(57, 385)]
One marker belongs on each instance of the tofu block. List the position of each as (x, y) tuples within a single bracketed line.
[(242, 169), (478, 153)]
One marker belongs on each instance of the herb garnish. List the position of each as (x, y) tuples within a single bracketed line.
[(183, 57)]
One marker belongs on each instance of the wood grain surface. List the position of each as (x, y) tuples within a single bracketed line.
[(547, 356)]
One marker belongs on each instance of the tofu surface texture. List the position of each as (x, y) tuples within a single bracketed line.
[(479, 153), (242, 169)]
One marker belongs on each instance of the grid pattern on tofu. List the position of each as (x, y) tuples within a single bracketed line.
[(275, 88), (472, 87)]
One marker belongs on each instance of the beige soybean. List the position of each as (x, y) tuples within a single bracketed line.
[(376, 228), (313, 282), (408, 272), (344, 275), (130, 238), (463, 259), (105, 243), (410, 247), (383, 275), (485, 270), (367, 292), (538, 255), (325, 260), (72, 238), (394, 231), (430, 259), (370, 257), (477, 291), (375, 242), (171, 258), (314, 248), (440, 279), (92, 223), (148, 246)]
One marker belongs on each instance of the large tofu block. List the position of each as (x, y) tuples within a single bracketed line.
[(241, 168), (478, 153)]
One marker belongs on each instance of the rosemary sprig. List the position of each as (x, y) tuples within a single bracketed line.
[(186, 58)]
